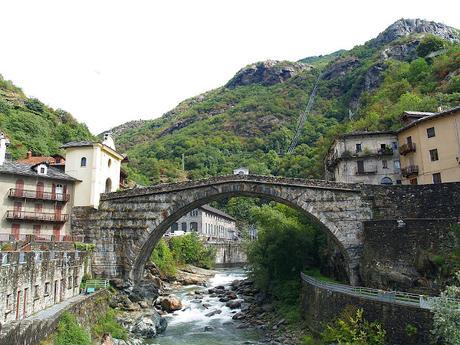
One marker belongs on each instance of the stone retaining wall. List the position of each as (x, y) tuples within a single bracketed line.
[(321, 306), (228, 254), (32, 332)]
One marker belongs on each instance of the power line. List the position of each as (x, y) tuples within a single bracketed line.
[(303, 116)]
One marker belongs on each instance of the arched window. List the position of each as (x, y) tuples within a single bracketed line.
[(108, 185), (386, 181), (83, 162), (109, 163)]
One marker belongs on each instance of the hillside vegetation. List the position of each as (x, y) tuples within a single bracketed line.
[(31, 125), (412, 65)]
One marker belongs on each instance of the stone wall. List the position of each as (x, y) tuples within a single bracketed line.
[(30, 332), (322, 306), (419, 201), (398, 254), (33, 281), (228, 254)]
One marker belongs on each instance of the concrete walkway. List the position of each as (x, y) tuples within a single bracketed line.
[(50, 312)]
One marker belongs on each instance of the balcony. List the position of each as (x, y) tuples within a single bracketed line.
[(38, 195), (36, 217), (410, 170), (387, 151), (404, 149), (369, 170)]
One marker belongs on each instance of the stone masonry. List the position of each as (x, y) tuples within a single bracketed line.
[(128, 224)]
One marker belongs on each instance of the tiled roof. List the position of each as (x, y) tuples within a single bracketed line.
[(217, 212), (39, 159), (362, 134), (430, 117), (16, 168), (77, 144)]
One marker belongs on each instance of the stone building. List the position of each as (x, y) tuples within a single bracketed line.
[(429, 145), (36, 199), (33, 281), (209, 222), (364, 157), (96, 165)]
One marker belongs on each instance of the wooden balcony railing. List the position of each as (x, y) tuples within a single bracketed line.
[(38, 195), (410, 170), (37, 216), (404, 149)]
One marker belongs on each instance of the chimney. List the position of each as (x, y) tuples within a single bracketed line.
[(29, 154), (4, 142)]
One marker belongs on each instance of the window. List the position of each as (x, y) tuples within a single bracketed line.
[(184, 226), (358, 148), (19, 187), (384, 164), (193, 226), (83, 162), (109, 163), (36, 292), (42, 170), (430, 132), (397, 165), (8, 302), (75, 281), (413, 181), (395, 145), (174, 227), (409, 140), (398, 182), (47, 289), (437, 178), (434, 155), (40, 189), (37, 229), (108, 185), (386, 181), (360, 166), (69, 282), (383, 146)]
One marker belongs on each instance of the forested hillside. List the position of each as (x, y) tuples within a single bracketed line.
[(31, 125), (413, 64)]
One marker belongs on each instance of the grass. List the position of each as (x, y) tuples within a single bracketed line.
[(108, 324), (315, 273)]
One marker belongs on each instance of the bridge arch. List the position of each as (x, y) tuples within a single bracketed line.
[(133, 221), (175, 214)]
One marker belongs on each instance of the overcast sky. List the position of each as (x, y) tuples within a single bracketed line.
[(108, 62)]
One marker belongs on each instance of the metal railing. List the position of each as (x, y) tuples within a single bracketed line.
[(409, 170), (406, 148), (96, 284), (37, 216), (398, 297), (36, 194)]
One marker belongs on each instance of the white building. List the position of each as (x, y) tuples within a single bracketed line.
[(364, 157), (209, 222), (241, 171), (96, 165)]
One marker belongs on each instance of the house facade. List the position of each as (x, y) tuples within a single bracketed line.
[(209, 222), (430, 147), (96, 165), (364, 157)]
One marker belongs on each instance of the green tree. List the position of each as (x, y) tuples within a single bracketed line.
[(430, 43)]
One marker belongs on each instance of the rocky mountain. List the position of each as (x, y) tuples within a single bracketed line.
[(31, 125), (413, 64)]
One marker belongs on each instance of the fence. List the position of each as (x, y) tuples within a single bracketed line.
[(398, 297)]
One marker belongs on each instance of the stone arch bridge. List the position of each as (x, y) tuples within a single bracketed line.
[(128, 224)]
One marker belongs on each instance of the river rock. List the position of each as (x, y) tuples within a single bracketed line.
[(233, 304), (214, 312), (147, 325), (171, 303)]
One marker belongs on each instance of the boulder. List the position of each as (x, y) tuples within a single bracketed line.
[(233, 304), (171, 303)]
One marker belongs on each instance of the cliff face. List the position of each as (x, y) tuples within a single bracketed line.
[(406, 27), (266, 73)]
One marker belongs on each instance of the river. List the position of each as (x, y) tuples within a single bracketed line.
[(191, 326)]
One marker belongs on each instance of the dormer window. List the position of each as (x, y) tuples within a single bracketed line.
[(42, 169)]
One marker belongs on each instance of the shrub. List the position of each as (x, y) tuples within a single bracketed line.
[(446, 318), (189, 249), (429, 44), (69, 332), (163, 258), (354, 330), (108, 324)]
